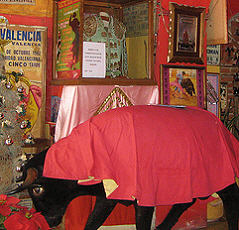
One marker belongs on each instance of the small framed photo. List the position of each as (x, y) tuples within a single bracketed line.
[(183, 86), (186, 33)]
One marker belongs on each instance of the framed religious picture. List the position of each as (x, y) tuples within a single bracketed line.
[(186, 33), (183, 86)]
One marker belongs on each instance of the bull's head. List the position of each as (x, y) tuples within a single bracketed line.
[(49, 196)]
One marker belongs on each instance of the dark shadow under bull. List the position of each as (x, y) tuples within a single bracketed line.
[(52, 196)]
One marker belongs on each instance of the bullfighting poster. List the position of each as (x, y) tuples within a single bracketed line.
[(25, 66), (68, 39), (183, 86)]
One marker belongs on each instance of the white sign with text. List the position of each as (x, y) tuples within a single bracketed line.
[(93, 60)]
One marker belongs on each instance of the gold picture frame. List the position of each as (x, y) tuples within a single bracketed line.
[(186, 34)]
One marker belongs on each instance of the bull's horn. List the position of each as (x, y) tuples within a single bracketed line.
[(32, 174)]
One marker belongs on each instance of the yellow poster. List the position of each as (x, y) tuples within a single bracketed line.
[(25, 67)]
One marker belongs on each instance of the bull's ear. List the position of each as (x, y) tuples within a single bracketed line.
[(32, 174)]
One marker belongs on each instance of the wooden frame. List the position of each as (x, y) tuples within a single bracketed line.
[(213, 92), (186, 36), (223, 98), (183, 85), (106, 81)]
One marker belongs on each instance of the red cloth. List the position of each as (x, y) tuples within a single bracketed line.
[(157, 154)]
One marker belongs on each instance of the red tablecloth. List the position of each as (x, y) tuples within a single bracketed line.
[(156, 154)]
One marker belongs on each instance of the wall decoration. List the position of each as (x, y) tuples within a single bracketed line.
[(213, 55), (68, 39), (25, 64), (223, 97), (183, 86), (216, 27), (230, 51), (186, 29), (55, 104), (213, 93)]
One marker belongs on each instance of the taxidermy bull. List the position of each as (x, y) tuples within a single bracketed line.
[(140, 155)]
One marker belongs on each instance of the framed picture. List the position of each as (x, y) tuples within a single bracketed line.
[(213, 55), (183, 86), (223, 98), (186, 36), (213, 93)]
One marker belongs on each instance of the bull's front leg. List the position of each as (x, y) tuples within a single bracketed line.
[(143, 216), (175, 212), (103, 208), (230, 199)]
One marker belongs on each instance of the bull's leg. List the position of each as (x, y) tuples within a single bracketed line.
[(103, 208), (175, 212), (230, 199), (143, 217)]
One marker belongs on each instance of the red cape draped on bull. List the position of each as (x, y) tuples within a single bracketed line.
[(158, 155)]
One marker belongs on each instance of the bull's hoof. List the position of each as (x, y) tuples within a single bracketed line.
[(162, 227)]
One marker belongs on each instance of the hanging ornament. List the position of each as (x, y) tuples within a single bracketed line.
[(1, 116), (9, 141), (20, 89), (29, 139), (25, 124), (9, 85), (7, 124), (2, 100), (18, 168)]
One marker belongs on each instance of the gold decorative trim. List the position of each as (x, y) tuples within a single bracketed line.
[(116, 98)]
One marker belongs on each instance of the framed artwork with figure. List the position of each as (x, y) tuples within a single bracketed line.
[(186, 31), (183, 86)]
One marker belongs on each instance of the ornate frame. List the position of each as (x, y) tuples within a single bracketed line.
[(173, 94), (213, 93), (186, 38)]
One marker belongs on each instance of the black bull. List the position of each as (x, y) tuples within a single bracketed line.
[(52, 196)]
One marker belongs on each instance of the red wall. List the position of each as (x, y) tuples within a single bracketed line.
[(232, 7), (162, 42)]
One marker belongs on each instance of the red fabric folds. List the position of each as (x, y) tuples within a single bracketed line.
[(159, 155)]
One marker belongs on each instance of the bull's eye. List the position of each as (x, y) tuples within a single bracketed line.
[(37, 191)]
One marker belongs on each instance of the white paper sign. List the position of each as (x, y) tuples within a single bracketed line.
[(93, 60)]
